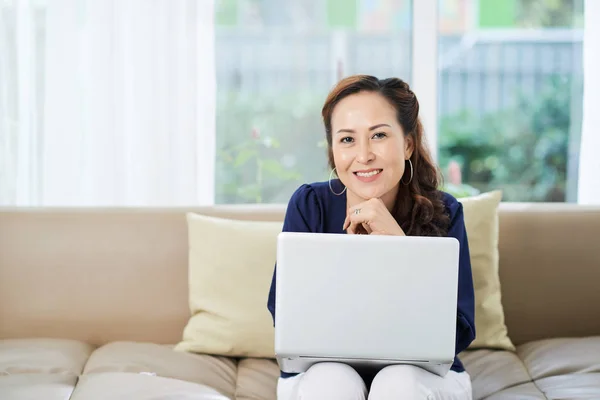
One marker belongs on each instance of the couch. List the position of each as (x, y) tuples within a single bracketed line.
[(93, 301)]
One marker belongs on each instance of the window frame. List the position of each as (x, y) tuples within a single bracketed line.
[(424, 67)]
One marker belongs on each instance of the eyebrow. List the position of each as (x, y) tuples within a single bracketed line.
[(371, 128)]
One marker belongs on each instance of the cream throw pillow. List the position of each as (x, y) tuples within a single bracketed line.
[(231, 265), (230, 269), (481, 221)]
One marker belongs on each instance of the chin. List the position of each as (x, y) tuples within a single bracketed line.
[(368, 193)]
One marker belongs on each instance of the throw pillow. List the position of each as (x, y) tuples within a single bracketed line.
[(230, 269), (481, 220)]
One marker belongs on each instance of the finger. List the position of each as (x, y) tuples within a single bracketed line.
[(348, 221), (365, 215), (362, 205), (351, 229), (357, 229), (358, 223), (367, 228), (355, 224)]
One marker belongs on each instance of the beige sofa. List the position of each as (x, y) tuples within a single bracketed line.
[(93, 301)]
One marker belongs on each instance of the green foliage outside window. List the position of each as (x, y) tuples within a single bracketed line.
[(522, 150)]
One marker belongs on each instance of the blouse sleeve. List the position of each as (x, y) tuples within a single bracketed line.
[(465, 322), (303, 214)]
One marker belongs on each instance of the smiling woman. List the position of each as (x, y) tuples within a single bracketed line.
[(388, 185), (376, 147)]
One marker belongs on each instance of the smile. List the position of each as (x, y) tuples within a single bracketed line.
[(368, 174)]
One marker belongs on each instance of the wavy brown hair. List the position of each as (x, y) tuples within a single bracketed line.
[(419, 208)]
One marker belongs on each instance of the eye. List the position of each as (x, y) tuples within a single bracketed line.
[(346, 139), (379, 135)]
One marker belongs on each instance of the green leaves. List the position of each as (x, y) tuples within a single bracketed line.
[(244, 156), (522, 151), (255, 138)]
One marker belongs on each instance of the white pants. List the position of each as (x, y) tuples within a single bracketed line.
[(333, 381)]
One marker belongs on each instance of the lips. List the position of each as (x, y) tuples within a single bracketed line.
[(368, 173)]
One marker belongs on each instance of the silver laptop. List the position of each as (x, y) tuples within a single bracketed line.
[(365, 300)]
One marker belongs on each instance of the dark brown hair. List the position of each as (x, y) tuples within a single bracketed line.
[(419, 209)]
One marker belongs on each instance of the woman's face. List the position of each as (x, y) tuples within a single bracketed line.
[(369, 147)]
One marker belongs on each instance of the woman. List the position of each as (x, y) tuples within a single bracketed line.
[(388, 185)]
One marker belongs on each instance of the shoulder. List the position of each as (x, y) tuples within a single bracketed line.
[(309, 198), (309, 194), (305, 210), (451, 204), (454, 210)]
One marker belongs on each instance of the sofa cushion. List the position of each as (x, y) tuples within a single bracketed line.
[(43, 356), (40, 368), (153, 360), (257, 379), (525, 391), (129, 386), (36, 386), (230, 268), (554, 368), (493, 371), (94, 275), (482, 225), (549, 269), (564, 368), (571, 386), (556, 357)]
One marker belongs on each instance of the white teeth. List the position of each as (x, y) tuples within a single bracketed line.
[(368, 174)]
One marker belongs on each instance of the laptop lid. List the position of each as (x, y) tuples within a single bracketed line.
[(366, 297)]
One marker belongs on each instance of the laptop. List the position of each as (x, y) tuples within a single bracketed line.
[(365, 300)]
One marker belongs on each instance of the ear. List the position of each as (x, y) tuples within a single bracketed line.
[(409, 146)]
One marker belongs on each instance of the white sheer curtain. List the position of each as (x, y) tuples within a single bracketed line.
[(589, 165), (107, 102)]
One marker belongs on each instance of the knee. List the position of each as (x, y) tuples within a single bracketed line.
[(331, 381), (399, 381)]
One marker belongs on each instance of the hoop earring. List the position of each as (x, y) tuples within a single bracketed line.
[(330, 188), (411, 173)]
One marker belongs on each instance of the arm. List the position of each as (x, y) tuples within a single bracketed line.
[(465, 319), (303, 215)]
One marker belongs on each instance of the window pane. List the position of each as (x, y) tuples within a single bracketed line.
[(510, 96), (276, 61)]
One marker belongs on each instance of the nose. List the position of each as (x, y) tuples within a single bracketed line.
[(365, 153)]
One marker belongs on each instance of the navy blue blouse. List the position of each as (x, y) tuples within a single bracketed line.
[(314, 208)]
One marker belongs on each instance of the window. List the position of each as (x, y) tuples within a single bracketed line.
[(132, 103), (510, 97), (276, 61)]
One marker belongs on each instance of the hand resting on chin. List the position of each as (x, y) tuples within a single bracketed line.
[(371, 217)]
